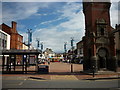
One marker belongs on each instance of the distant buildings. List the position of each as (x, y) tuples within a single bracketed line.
[(80, 49), (48, 53)]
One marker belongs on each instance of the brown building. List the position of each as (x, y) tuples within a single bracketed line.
[(99, 44), (117, 41), (16, 39)]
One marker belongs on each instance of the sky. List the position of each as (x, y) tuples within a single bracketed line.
[(53, 23)]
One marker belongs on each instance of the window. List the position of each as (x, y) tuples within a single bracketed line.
[(101, 27), (5, 37), (18, 38), (102, 31), (5, 44), (0, 42), (0, 34)]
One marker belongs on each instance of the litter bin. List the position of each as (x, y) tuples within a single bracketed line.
[(43, 69)]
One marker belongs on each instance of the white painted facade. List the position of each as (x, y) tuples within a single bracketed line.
[(25, 47), (4, 40)]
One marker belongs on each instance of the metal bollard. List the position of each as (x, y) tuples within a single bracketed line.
[(93, 71)]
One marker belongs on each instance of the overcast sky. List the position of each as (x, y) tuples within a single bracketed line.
[(53, 23)]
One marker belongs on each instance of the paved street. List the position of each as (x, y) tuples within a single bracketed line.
[(27, 82), (59, 77), (65, 67)]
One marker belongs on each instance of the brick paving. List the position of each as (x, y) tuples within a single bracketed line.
[(62, 71)]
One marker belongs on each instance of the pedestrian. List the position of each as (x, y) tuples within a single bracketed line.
[(48, 62)]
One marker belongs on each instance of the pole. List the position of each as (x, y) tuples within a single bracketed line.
[(72, 39), (37, 43), (41, 49), (93, 71), (65, 44), (29, 37), (29, 41)]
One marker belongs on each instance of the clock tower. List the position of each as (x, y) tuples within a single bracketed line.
[(99, 44)]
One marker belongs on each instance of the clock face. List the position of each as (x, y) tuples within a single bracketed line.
[(102, 52)]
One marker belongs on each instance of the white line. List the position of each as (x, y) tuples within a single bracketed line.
[(20, 83)]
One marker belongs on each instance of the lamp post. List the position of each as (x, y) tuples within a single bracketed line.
[(41, 48), (65, 44), (29, 31), (38, 43), (29, 37), (72, 39)]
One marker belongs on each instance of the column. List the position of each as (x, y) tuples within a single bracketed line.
[(94, 58), (36, 62), (3, 62)]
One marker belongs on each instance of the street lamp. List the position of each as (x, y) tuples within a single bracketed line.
[(38, 41), (72, 39), (29, 37), (65, 44), (41, 48), (29, 31)]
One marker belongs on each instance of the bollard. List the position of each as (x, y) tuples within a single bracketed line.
[(93, 71)]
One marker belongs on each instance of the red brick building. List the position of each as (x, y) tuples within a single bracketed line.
[(117, 43), (99, 44), (16, 40)]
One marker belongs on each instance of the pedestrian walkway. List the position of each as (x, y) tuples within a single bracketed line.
[(64, 67), (62, 71)]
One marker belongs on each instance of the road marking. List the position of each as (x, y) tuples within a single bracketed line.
[(20, 83), (103, 80), (37, 80), (63, 77), (108, 80)]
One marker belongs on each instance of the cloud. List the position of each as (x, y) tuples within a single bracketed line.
[(21, 11), (114, 14), (47, 22), (54, 37), (58, 0), (0, 12), (37, 14), (42, 0)]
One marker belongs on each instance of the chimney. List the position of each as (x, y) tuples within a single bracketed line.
[(14, 26)]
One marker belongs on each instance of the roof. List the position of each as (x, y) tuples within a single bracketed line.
[(5, 25), (20, 52)]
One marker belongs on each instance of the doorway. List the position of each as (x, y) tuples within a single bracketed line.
[(103, 58)]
